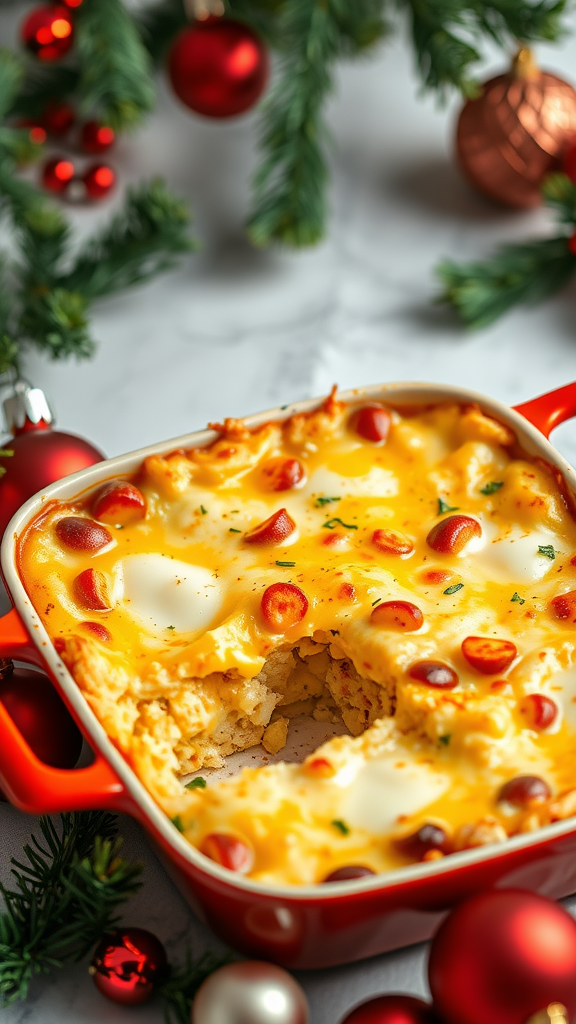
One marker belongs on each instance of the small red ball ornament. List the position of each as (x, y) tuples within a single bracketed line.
[(57, 174), (58, 117), (40, 715), (47, 32), (502, 957), (218, 67), (99, 180), (40, 455), (127, 964), (96, 137), (393, 1009)]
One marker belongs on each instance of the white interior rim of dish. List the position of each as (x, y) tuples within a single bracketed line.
[(75, 486)]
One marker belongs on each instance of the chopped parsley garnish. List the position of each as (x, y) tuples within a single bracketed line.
[(198, 783), (325, 501), (177, 821), (492, 487), (331, 524), (286, 565), (341, 826), (445, 740), (516, 597), (170, 627), (233, 530), (203, 510), (453, 589), (444, 507), (377, 601), (548, 550), (5, 453)]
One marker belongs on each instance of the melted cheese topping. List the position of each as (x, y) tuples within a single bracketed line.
[(192, 671)]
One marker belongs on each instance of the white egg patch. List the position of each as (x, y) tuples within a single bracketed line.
[(165, 592), (387, 788), (516, 558), (378, 483)]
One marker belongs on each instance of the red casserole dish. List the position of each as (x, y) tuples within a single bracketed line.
[(309, 926)]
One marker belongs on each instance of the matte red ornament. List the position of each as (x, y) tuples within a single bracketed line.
[(501, 957), (57, 173), (96, 137), (48, 32), (218, 67), (58, 117), (40, 715), (127, 964), (99, 180), (393, 1009), (514, 133)]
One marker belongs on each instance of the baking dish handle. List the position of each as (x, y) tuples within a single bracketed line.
[(549, 410), (30, 784)]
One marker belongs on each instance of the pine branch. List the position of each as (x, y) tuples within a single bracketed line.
[(11, 73), (524, 273), (179, 990), (142, 240), (44, 82), (66, 893), (115, 69)]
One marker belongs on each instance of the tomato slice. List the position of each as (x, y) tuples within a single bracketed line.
[(451, 536), (273, 530), (118, 502), (229, 851), (91, 590), (398, 615), (80, 534), (372, 422), (283, 605), (491, 657), (282, 474)]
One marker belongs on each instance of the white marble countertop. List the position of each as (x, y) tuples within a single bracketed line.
[(234, 330)]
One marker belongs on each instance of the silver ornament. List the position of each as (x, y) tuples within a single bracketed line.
[(251, 992)]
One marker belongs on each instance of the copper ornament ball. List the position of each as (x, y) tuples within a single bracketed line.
[(514, 132)]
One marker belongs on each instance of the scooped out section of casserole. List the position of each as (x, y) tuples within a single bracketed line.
[(404, 578)]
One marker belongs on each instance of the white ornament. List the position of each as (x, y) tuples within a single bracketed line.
[(250, 992)]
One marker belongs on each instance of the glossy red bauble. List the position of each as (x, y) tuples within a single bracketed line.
[(57, 174), (58, 117), (127, 964), (501, 957), (40, 456), (40, 715), (218, 67), (392, 1009), (99, 180), (96, 137), (47, 32)]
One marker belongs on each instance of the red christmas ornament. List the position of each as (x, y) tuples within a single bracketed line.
[(40, 714), (48, 32), (96, 137), (58, 117), (218, 67), (569, 161), (393, 1009), (572, 244), (40, 456), (127, 964), (99, 180), (57, 174), (502, 957)]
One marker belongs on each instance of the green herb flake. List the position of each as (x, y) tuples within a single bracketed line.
[(377, 601), (492, 487), (547, 550), (232, 530), (286, 565), (453, 589), (171, 627), (325, 501), (177, 822), (444, 507), (198, 783), (341, 826), (517, 599), (331, 524), (203, 510), (445, 740)]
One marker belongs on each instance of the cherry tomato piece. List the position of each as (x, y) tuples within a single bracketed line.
[(81, 534), (391, 542), (372, 422), (564, 606), (320, 767), (98, 629), (434, 673), (525, 791), (491, 657), (541, 711), (118, 502), (427, 837), (229, 851), (436, 576), (350, 871), (282, 474), (91, 590), (451, 536), (283, 606), (273, 530), (398, 615)]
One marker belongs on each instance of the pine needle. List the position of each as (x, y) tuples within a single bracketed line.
[(183, 983)]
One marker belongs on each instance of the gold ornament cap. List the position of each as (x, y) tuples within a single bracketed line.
[(524, 65), (555, 1013)]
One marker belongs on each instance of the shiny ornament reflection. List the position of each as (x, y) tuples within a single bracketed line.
[(252, 992)]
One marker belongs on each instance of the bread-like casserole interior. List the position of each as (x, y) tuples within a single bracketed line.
[(402, 581)]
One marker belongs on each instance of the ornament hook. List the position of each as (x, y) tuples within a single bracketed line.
[(200, 10)]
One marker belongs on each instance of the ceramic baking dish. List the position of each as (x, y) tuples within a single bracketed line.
[(299, 927)]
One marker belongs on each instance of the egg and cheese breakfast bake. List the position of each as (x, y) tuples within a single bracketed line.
[(407, 576)]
